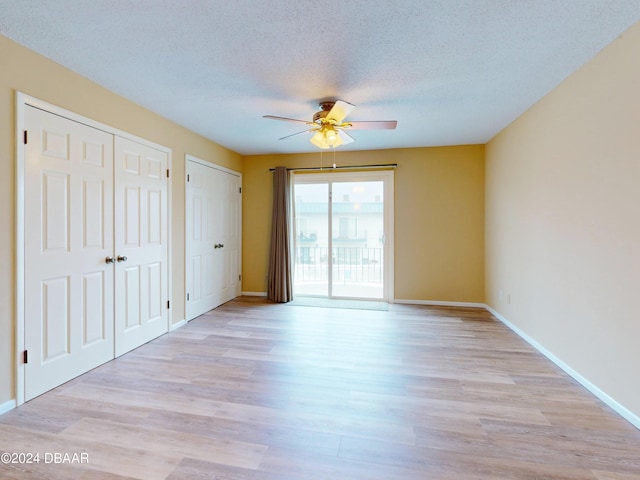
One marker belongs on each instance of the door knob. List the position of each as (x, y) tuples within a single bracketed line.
[(110, 260), (121, 258), (218, 245)]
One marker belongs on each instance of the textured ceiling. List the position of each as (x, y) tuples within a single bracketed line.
[(450, 72)]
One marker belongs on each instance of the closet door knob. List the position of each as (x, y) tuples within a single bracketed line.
[(110, 260), (121, 258)]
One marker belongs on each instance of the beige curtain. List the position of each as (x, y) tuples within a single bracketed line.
[(280, 286)]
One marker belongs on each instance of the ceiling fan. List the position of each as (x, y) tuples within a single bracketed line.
[(328, 125)]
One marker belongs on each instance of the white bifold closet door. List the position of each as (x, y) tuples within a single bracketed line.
[(141, 283), (95, 253), (68, 235), (213, 226)]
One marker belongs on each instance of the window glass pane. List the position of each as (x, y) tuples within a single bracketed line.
[(357, 239), (311, 274)]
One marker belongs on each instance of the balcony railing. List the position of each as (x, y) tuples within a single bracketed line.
[(351, 265)]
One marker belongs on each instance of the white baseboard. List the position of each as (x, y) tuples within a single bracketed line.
[(6, 406), (177, 325), (437, 303), (397, 300), (611, 402)]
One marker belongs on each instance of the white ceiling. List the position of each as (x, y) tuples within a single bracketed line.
[(451, 72)]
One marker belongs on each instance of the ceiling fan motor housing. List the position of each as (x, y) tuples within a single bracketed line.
[(319, 116), (322, 114), (326, 106)]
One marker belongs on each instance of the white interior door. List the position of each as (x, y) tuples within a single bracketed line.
[(230, 236), (213, 226), (68, 205), (227, 226), (200, 198), (141, 244)]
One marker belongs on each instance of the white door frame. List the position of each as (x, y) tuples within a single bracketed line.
[(190, 158), (339, 176), (22, 100)]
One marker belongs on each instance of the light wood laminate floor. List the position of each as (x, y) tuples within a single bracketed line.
[(261, 391)]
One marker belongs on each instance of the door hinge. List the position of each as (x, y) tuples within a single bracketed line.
[(188, 177), (239, 277), (25, 357), (167, 173), (25, 137), (187, 297), (240, 190), (168, 304)]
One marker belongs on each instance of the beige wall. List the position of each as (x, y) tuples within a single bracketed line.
[(563, 223), (23, 70), (439, 219)]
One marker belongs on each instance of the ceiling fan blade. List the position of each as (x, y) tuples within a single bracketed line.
[(339, 111), (375, 125), (285, 119), (345, 137), (294, 134)]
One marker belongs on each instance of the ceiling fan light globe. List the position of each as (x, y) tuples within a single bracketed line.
[(334, 141), (331, 135), (319, 140)]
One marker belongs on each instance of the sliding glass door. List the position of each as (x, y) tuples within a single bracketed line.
[(343, 232)]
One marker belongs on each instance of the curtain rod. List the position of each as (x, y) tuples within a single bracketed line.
[(345, 167)]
